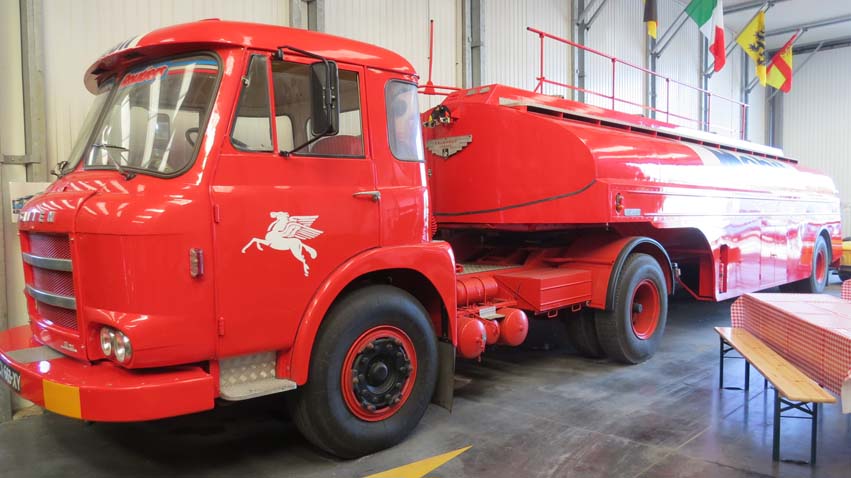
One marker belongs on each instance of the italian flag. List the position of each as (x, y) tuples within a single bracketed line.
[(709, 16)]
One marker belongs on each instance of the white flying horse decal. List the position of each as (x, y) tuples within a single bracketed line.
[(286, 233)]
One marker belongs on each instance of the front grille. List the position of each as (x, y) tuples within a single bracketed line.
[(57, 315), (51, 283), (54, 246), (55, 282)]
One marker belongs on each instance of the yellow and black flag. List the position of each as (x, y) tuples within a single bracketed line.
[(651, 17), (752, 41)]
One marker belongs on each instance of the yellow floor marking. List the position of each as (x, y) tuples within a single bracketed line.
[(420, 468), (61, 399)]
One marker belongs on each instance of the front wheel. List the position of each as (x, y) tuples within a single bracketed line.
[(372, 374), (632, 331)]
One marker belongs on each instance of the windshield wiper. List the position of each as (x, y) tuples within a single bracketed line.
[(128, 175)]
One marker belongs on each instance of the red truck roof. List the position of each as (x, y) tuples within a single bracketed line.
[(217, 33)]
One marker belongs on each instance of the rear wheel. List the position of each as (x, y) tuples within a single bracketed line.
[(582, 333), (816, 283), (632, 331), (372, 374)]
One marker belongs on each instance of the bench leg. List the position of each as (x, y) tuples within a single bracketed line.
[(721, 366), (775, 447), (747, 375), (815, 431)]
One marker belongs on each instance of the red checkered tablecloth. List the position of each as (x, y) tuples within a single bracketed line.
[(813, 331), (846, 290)]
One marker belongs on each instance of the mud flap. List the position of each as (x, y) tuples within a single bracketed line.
[(444, 389)]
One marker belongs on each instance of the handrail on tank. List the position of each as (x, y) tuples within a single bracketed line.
[(702, 124)]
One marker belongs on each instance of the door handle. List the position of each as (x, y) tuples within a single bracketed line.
[(374, 195)]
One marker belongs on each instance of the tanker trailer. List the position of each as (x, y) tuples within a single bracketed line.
[(563, 209)]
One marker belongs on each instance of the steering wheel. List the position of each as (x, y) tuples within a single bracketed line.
[(189, 133)]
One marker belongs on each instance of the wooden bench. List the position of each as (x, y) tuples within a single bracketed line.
[(792, 388)]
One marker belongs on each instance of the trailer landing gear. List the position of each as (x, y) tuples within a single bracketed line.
[(372, 376), (632, 331)]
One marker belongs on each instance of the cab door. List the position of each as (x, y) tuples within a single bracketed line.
[(282, 224)]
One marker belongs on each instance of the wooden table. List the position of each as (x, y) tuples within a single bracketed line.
[(813, 331)]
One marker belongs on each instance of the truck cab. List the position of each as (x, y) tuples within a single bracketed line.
[(232, 185)]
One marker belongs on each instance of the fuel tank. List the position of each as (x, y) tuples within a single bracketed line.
[(504, 158)]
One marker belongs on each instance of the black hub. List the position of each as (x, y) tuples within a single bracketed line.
[(379, 373)]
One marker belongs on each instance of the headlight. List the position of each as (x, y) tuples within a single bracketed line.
[(106, 339), (122, 347), (115, 343)]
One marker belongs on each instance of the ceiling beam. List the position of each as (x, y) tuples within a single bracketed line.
[(808, 26), (749, 5)]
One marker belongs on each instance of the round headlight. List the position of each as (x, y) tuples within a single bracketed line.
[(122, 347), (106, 338)]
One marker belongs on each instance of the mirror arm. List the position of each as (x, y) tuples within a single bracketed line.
[(287, 154)]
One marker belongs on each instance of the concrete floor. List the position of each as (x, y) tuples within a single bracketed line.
[(526, 413)]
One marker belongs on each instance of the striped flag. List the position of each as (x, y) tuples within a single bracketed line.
[(779, 74), (709, 16), (651, 17)]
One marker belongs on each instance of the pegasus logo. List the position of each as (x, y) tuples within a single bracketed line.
[(286, 233)]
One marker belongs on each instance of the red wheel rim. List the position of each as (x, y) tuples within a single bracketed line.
[(645, 308), (379, 373), (821, 266)]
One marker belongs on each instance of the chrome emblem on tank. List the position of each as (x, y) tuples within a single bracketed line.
[(446, 147)]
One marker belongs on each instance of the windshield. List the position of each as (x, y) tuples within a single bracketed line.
[(154, 121), (86, 129)]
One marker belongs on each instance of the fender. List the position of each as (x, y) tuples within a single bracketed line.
[(433, 260), (605, 254), (628, 247)]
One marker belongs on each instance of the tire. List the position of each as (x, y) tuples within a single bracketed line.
[(383, 335), (819, 271), (582, 333), (629, 335)]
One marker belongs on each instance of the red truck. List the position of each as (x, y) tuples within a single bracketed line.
[(254, 209)]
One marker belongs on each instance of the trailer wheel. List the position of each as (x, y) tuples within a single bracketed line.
[(582, 333), (632, 331), (372, 373), (820, 271)]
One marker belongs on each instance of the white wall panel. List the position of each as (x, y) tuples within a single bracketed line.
[(512, 54), (76, 33), (403, 27), (681, 62), (618, 31), (815, 120), (725, 116), (757, 114)]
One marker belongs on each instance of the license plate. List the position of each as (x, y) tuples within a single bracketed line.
[(10, 376)]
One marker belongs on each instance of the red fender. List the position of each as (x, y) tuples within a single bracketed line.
[(434, 260)]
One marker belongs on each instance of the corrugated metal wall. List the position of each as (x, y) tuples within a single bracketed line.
[(815, 120), (680, 61), (511, 54), (618, 31), (76, 33), (725, 116), (403, 26)]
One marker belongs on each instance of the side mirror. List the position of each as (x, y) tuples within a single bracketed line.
[(324, 91)]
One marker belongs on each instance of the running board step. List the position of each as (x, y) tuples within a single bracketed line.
[(250, 376)]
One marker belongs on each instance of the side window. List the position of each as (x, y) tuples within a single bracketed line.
[(252, 128), (292, 109), (403, 121)]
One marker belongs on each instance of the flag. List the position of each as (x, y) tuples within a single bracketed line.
[(752, 41), (779, 74), (709, 16), (651, 17)]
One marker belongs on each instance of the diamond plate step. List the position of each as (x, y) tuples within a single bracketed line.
[(250, 376)]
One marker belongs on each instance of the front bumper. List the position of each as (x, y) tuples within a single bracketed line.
[(99, 391)]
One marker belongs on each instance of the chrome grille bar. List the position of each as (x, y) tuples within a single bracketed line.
[(52, 299), (47, 262)]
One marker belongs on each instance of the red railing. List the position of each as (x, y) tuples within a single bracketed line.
[(699, 122)]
